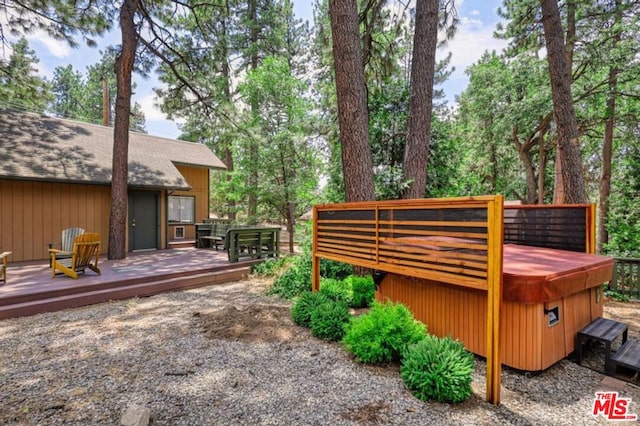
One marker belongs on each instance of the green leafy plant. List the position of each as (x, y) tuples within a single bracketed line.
[(382, 334), (296, 278), (328, 320), (270, 267), (335, 270), (438, 369), (363, 289), (304, 306), (615, 295), (293, 281), (336, 290)]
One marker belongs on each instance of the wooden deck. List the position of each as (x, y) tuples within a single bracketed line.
[(30, 289)]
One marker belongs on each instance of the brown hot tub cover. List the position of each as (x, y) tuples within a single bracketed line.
[(536, 274)]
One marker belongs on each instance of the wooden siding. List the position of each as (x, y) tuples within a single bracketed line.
[(198, 178), (33, 214), (526, 343), (189, 232)]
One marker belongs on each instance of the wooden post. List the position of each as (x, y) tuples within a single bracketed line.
[(315, 260), (495, 229), (106, 107), (591, 228), (377, 225)]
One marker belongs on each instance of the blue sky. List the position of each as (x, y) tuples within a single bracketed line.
[(477, 23)]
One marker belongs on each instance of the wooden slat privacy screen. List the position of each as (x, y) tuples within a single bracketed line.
[(454, 240), (563, 227)]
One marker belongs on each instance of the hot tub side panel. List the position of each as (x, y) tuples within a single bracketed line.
[(527, 342)]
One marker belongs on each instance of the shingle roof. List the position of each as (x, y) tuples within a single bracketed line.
[(38, 147)]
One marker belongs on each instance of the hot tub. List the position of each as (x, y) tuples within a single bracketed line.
[(548, 296)]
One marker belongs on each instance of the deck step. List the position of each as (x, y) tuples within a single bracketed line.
[(603, 330), (125, 282), (118, 291), (628, 355)]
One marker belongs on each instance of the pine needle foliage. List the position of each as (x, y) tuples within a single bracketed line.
[(328, 320), (438, 369), (305, 305), (383, 334)]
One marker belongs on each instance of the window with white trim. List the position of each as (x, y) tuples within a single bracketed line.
[(182, 209)]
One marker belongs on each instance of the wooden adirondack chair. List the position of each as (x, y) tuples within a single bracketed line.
[(66, 245), (3, 266), (84, 254)]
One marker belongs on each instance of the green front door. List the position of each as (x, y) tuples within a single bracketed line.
[(143, 220)]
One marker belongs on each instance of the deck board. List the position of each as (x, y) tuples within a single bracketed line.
[(30, 289)]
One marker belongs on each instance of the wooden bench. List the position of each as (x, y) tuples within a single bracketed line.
[(211, 234), (252, 242), (603, 330)]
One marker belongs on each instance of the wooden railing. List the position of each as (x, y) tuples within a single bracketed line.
[(626, 277), (444, 240), (453, 240)]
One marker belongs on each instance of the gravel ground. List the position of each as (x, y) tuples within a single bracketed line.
[(181, 356)]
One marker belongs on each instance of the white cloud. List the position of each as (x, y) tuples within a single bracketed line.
[(44, 71), (149, 104), (470, 42), (57, 48)]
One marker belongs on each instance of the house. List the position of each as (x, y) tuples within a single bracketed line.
[(56, 174)]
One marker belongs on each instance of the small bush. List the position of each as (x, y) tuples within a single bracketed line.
[(440, 369), (296, 279), (293, 281), (339, 291), (363, 289), (328, 320), (615, 295), (304, 306), (270, 267), (382, 334), (335, 270)]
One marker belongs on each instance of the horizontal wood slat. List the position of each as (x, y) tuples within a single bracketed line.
[(436, 239)]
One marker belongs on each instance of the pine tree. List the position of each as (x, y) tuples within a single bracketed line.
[(20, 85)]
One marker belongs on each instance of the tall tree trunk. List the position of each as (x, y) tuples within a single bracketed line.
[(124, 68), (570, 40), (524, 152), (252, 204), (569, 151), (226, 74), (291, 225), (416, 153), (542, 164), (353, 117), (607, 145)]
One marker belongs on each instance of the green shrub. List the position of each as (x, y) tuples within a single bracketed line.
[(296, 278), (335, 270), (615, 295), (293, 281), (270, 267), (382, 334), (328, 320), (339, 291), (304, 306), (440, 369), (363, 289)]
